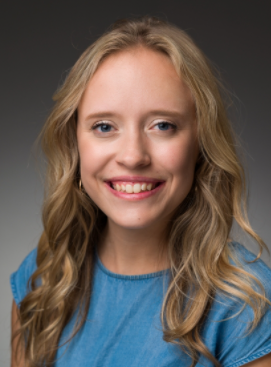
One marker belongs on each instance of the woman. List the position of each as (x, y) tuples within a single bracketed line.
[(135, 266)]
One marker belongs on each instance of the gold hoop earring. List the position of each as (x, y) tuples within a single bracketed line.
[(80, 186)]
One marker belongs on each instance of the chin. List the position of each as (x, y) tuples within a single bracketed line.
[(135, 223)]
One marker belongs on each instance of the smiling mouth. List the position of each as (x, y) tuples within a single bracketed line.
[(134, 188)]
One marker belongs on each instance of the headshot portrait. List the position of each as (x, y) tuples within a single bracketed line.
[(136, 191)]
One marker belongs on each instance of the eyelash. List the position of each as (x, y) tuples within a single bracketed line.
[(94, 127), (173, 126)]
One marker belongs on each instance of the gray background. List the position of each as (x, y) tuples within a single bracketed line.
[(41, 40)]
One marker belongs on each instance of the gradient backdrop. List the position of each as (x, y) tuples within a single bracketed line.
[(41, 40)]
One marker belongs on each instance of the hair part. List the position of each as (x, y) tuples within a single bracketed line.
[(198, 246)]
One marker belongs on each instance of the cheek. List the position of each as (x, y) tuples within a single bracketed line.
[(179, 158), (92, 158)]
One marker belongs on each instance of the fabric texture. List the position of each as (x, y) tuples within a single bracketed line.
[(124, 328)]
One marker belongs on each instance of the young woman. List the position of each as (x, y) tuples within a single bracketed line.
[(135, 266)]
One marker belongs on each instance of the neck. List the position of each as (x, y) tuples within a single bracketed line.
[(133, 251)]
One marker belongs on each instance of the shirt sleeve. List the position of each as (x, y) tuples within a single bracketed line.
[(19, 279), (228, 333)]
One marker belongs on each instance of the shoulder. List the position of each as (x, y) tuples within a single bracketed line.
[(227, 327), (19, 279), (245, 259)]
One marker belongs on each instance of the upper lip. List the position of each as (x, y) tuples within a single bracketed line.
[(134, 179)]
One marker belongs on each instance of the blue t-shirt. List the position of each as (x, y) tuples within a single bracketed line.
[(124, 328)]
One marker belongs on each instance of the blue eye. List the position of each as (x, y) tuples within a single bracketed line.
[(104, 128), (164, 126)]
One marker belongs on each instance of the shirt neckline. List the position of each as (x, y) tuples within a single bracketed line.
[(129, 277)]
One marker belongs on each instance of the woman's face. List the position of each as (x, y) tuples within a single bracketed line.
[(137, 139)]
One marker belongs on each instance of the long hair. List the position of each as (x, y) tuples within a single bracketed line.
[(198, 245)]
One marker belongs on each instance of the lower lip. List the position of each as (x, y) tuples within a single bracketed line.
[(134, 197)]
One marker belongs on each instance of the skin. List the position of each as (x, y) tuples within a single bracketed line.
[(130, 85), (127, 91)]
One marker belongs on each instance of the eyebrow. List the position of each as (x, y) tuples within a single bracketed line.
[(108, 114)]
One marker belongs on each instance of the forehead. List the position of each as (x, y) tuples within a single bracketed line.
[(137, 79)]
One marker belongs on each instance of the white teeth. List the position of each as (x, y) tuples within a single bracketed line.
[(149, 187), (129, 189), (136, 188), (144, 187)]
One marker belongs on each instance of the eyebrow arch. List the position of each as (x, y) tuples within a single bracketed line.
[(109, 114)]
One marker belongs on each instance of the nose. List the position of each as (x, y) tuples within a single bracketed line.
[(133, 151)]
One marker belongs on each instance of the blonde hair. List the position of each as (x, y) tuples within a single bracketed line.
[(198, 244)]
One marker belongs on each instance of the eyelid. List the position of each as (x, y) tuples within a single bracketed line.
[(107, 123), (172, 124), (100, 123)]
